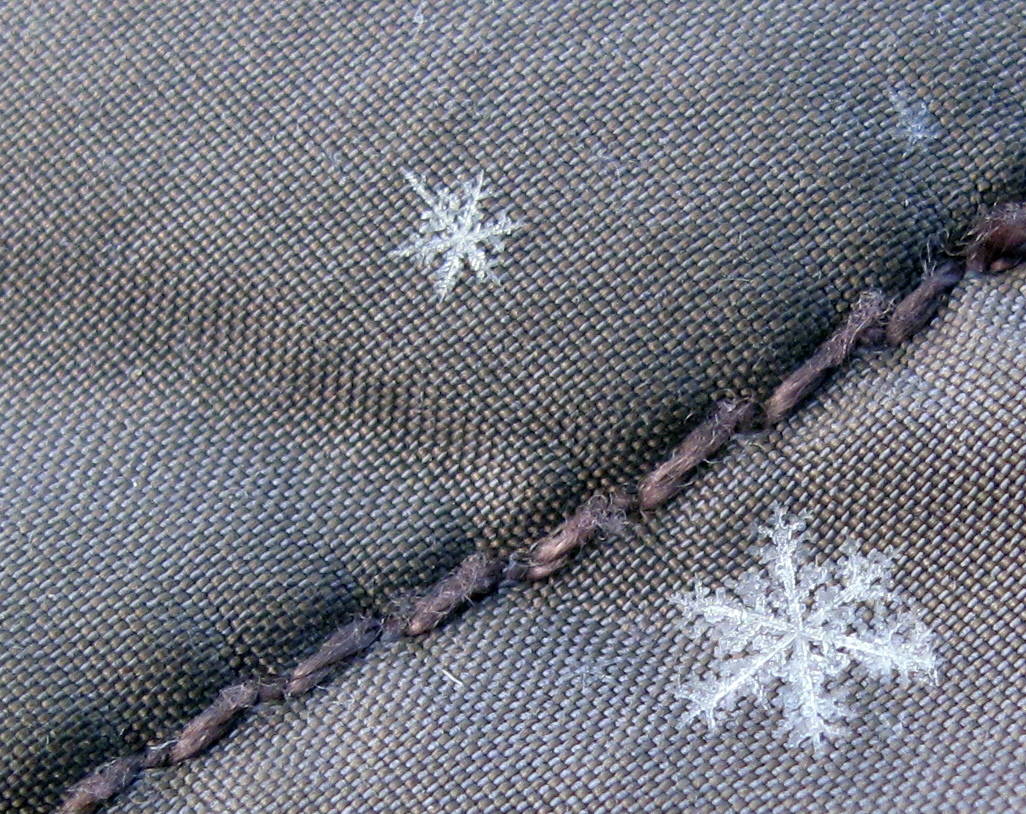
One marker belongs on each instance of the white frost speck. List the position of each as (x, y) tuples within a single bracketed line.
[(789, 629), (453, 230), (915, 120)]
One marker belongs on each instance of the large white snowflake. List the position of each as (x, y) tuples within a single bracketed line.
[(453, 229), (799, 625)]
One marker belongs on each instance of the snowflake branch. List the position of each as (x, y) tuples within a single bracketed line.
[(708, 699), (898, 656), (422, 192)]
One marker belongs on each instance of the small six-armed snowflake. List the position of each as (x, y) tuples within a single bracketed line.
[(453, 228), (799, 625)]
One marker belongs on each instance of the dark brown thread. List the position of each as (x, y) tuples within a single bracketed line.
[(272, 690), (599, 514), (477, 574), (998, 244), (998, 240), (348, 640), (213, 722), (154, 756), (102, 784), (912, 313)]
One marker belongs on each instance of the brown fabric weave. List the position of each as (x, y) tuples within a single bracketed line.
[(560, 697), (230, 419)]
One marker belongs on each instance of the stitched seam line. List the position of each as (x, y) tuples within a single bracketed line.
[(997, 244)]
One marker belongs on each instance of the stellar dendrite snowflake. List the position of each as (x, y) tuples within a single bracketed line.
[(452, 228), (799, 625)]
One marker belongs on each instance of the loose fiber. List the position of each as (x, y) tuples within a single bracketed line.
[(601, 513)]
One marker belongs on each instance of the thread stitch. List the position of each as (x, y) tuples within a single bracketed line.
[(701, 443), (862, 326), (997, 244)]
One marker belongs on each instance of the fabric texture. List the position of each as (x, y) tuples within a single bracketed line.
[(561, 696), (231, 416)]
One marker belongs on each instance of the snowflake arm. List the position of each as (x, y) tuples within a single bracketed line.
[(721, 690), (417, 184), (902, 646)]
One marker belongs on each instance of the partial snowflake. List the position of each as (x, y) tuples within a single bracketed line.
[(453, 229), (915, 120), (798, 625)]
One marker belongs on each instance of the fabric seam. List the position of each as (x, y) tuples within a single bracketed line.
[(997, 243)]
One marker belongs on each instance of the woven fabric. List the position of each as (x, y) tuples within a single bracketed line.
[(560, 697), (230, 416)]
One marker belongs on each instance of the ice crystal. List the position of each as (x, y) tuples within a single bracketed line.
[(915, 120), (788, 630), (453, 230)]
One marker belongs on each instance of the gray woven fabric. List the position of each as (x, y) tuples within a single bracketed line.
[(229, 417), (560, 697)]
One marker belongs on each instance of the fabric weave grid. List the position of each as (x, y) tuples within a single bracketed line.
[(230, 418)]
